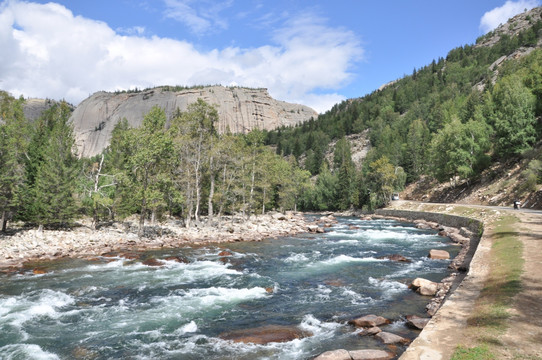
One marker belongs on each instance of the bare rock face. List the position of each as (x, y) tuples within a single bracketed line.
[(33, 108), (240, 110)]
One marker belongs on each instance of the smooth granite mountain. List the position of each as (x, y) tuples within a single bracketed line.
[(240, 110)]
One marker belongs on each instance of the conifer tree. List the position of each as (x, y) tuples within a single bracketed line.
[(14, 130), (55, 178)]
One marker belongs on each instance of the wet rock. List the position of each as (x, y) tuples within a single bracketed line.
[(370, 331), (39, 271), (269, 290), (424, 286), (416, 322), (225, 253), (353, 227), (178, 259), (130, 256), (266, 334), (340, 354), (334, 282), (369, 321), (438, 254), (389, 338), (153, 262), (395, 257), (370, 354)]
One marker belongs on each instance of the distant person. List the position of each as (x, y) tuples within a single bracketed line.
[(516, 204)]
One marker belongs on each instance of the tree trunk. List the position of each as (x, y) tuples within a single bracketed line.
[(153, 216), (263, 202), (211, 190), (252, 180), (4, 221), (141, 230)]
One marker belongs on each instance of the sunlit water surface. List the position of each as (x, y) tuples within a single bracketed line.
[(125, 310)]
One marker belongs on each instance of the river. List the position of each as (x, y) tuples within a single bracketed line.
[(115, 308)]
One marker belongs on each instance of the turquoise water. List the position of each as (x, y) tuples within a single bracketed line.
[(120, 309)]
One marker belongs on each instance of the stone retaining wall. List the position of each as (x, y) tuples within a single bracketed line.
[(475, 226), (437, 340)]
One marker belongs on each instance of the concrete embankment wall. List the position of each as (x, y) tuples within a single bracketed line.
[(475, 226), (439, 338)]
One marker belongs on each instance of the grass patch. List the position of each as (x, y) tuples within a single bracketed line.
[(476, 353), (491, 312)]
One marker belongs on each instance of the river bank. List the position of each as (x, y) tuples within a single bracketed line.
[(30, 245)]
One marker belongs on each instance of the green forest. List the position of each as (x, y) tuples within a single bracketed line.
[(448, 120), (185, 170), (451, 119)]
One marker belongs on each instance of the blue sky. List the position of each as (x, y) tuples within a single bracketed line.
[(312, 52)]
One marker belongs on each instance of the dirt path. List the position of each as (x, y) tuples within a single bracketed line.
[(523, 340)]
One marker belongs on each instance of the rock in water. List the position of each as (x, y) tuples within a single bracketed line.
[(368, 321), (417, 322), (266, 334), (395, 257), (239, 110), (424, 286), (340, 354), (438, 254), (370, 354), (389, 338)]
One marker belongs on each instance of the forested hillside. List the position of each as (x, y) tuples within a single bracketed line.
[(450, 120)]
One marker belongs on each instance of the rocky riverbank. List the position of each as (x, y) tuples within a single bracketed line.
[(83, 241)]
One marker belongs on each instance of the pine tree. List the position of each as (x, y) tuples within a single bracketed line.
[(13, 146), (55, 179)]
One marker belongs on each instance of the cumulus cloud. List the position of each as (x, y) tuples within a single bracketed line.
[(492, 19), (49, 52)]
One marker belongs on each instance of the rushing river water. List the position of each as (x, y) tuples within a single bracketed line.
[(125, 310)]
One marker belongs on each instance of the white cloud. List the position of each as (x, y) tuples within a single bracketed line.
[(201, 16), (49, 52), (500, 15)]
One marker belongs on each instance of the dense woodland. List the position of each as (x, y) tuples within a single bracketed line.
[(450, 119)]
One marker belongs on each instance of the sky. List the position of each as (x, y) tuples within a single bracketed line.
[(312, 52)]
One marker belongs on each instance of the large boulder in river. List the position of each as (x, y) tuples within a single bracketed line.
[(438, 254), (340, 354), (369, 354), (266, 334), (416, 322), (366, 354), (368, 321), (395, 257), (389, 338), (424, 286)]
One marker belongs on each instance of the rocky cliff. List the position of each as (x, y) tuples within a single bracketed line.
[(240, 110)]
